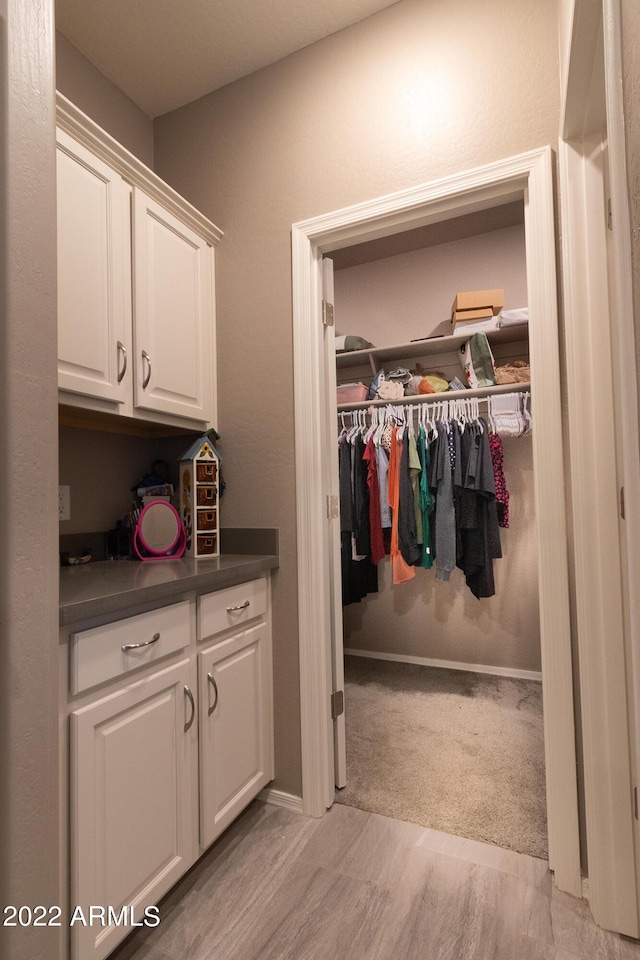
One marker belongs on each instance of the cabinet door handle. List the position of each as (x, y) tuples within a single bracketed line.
[(188, 694), (121, 349), (212, 681), (136, 646), (242, 606), (147, 358)]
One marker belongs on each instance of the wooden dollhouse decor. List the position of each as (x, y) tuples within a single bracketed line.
[(199, 489)]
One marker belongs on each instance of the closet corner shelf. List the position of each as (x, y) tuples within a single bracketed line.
[(427, 347), (480, 392)]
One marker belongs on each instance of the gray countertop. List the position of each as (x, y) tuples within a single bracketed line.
[(111, 586)]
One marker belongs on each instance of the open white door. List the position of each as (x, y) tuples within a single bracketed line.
[(333, 513)]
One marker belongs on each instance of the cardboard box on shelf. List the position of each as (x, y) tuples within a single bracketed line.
[(475, 300), (484, 313)]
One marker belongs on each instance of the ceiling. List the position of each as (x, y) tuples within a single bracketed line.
[(165, 53)]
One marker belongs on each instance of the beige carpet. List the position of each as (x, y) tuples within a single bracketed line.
[(455, 751)]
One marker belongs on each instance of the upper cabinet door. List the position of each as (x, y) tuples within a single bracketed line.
[(173, 314), (94, 252)]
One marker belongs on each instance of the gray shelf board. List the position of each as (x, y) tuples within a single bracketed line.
[(427, 347)]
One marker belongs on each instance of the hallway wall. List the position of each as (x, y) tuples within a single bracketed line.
[(414, 93), (80, 81)]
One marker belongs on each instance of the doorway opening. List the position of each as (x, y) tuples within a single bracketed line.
[(526, 179), (443, 693)]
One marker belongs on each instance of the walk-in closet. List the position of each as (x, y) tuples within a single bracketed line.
[(443, 688)]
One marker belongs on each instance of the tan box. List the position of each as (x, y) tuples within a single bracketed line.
[(477, 300), (459, 316)]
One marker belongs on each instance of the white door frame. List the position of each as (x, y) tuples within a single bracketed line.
[(599, 338), (528, 177)]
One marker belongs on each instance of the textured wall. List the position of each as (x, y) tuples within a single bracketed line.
[(80, 81), (416, 92), (28, 416), (400, 298), (101, 469)]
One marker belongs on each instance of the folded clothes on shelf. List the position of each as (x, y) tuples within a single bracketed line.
[(511, 317)]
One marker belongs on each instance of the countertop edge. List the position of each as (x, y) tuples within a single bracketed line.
[(207, 576)]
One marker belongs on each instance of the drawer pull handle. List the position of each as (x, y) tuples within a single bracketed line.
[(136, 646), (213, 683), (242, 606), (122, 350), (189, 722), (147, 358)]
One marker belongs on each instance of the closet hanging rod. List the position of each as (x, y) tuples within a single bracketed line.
[(482, 393)]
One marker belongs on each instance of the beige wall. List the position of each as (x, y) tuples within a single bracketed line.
[(29, 855), (413, 93), (403, 297), (85, 85), (101, 468)]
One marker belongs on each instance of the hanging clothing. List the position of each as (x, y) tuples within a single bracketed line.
[(415, 469), (425, 500), (401, 570), (445, 517), (502, 494), (359, 577), (477, 532), (375, 519), (407, 533), (382, 465)]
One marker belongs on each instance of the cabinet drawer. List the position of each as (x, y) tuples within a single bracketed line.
[(97, 655), (231, 606)]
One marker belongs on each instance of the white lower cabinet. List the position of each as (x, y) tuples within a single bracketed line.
[(169, 739), (236, 757), (132, 801)]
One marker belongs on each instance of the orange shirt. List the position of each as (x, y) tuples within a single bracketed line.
[(400, 568)]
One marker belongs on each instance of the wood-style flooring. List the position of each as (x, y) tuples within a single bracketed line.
[(356, 885)]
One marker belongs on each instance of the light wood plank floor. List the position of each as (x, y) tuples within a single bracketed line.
[(356, 885)]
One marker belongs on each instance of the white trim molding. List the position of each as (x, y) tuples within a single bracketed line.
[(83, 129), (528, 177), (279, 798), (510, 672), (603, 438)]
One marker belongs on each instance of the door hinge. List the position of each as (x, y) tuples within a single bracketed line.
[(333, 507), (327, 313), (622, 502), (635, 802), (337, 704), (609, 215)]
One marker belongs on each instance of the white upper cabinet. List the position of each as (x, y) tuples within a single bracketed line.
[(173, 294), (94, 309), (136, 304)]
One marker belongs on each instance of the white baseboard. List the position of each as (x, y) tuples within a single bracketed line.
[(448, 664), (281, 799)]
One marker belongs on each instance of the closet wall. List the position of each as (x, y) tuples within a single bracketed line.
[(397, 299)]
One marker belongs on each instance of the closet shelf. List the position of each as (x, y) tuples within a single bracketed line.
[(480, 392), (431, 346)]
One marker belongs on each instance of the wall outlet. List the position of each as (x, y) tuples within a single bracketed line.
[(64, 503)]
